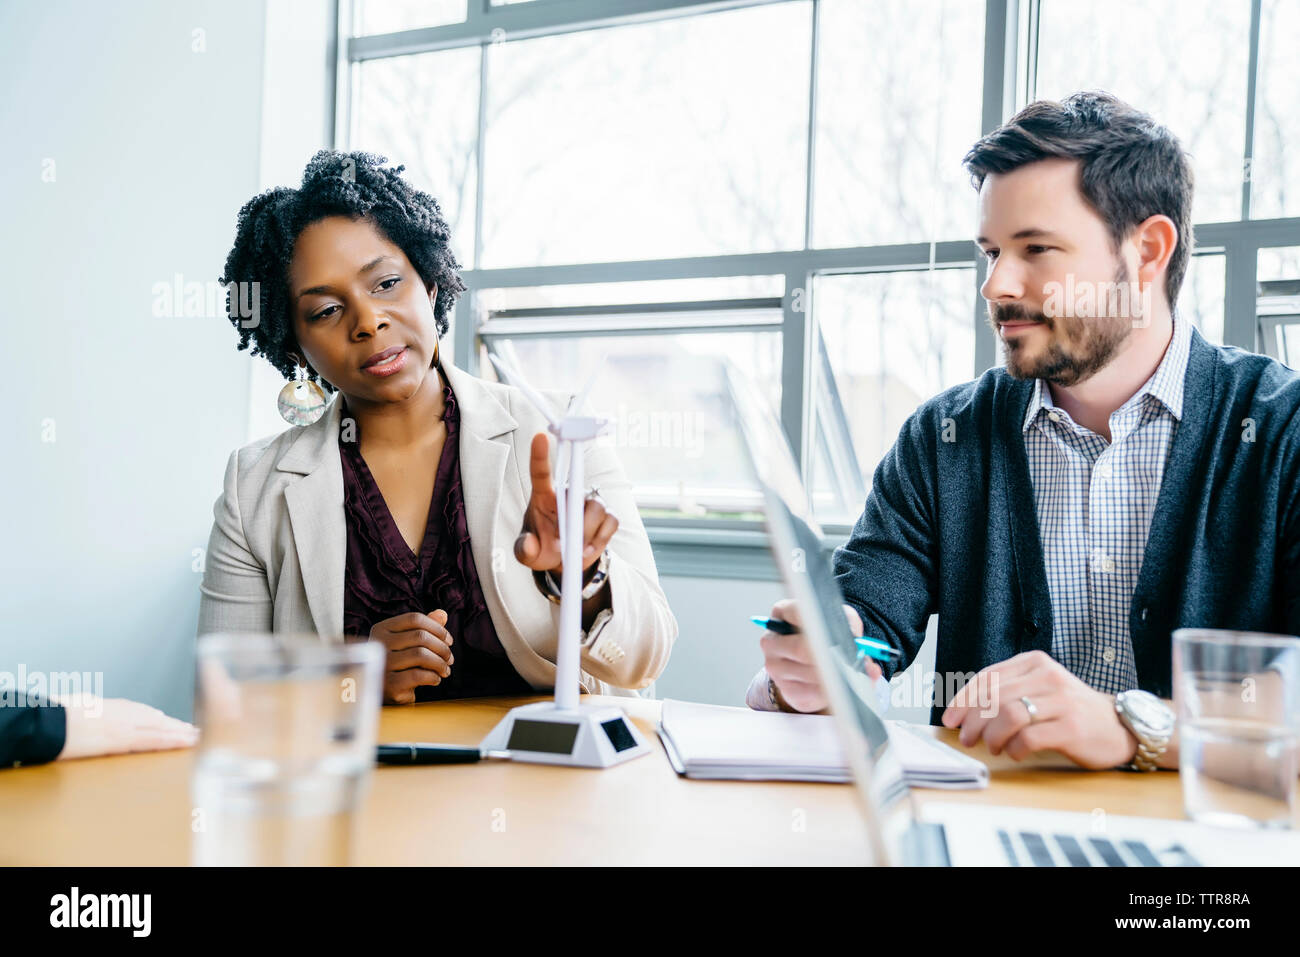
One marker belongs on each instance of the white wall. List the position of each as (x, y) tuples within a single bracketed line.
[(119, 422)]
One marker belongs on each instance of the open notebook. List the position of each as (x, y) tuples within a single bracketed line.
[(711, 741)]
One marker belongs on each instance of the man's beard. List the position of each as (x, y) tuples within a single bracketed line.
[(1089, 343)]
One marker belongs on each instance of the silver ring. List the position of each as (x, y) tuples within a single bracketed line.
[(1030, 707), (593, 495)]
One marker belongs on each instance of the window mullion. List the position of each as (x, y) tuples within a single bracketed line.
[(1251, 79), (796, 367)]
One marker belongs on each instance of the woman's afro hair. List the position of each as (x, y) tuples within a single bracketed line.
[(355, 185)]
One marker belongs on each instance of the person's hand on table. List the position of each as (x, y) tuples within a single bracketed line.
[(118, 726), (1072, 718), (419, 653), (538, 544), (788, 660)]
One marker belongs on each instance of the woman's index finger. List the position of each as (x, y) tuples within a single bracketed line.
[(540, 463)]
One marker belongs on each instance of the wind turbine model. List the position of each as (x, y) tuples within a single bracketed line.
[(563, 731)]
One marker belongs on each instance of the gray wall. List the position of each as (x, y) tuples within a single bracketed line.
[(717, 649), (155, 146)]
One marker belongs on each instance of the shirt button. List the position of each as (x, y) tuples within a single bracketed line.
[(1054, 416), (1101, 562), (1108, 656), (1103, 472), (1144, 613)]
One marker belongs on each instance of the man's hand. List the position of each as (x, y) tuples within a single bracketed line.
[(419, 653), (538, 544), (1072, 718), (788, 660)]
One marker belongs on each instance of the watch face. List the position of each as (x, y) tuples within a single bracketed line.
[(1149, 710)]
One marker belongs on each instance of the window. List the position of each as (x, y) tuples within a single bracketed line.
[(1275, 169), (779, 185), (892, 126), (889, 342), (391, 16), (422, 111), (657, 368), (602, 145), (1279, 303), (1182, 61), (1202, 295)]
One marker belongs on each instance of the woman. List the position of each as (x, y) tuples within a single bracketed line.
[(391, 513)]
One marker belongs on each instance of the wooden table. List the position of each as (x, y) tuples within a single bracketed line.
[(135, 809)]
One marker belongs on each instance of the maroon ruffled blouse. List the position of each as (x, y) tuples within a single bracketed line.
[(383, 578)]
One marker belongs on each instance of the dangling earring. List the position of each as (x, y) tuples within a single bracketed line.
[(433, 304), (301, 401)]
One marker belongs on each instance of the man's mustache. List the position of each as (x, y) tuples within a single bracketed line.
[(1015, 312)]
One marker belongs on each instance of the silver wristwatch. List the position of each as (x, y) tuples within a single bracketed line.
[(1152, 723)]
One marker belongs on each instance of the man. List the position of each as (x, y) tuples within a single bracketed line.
[(1120, 478)]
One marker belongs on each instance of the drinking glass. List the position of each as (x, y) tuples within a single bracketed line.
[(289, 724), (1237, 695)]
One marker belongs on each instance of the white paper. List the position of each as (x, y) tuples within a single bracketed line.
[(712, 741)]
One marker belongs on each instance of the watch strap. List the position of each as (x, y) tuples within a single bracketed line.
[(548, 586)]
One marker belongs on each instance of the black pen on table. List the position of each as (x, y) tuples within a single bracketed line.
[(411, 752)]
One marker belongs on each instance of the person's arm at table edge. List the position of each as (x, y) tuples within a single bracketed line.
[(31, 733)]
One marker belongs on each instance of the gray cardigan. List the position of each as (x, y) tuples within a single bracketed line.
[(950, 526)]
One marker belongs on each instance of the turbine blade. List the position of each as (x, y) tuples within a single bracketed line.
[(514, 378), (575, 407)]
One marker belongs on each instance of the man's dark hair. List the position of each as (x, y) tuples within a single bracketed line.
[(1131, 167), (355, 185)]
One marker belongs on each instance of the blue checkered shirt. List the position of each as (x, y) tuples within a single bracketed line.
[(1094, 503)]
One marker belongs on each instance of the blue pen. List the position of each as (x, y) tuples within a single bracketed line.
[(870, 648), (867, 647), (774, 625)]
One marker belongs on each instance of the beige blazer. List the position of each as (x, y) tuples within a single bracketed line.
[(275, 559)]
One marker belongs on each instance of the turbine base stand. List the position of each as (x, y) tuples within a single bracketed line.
[(589, 736)]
